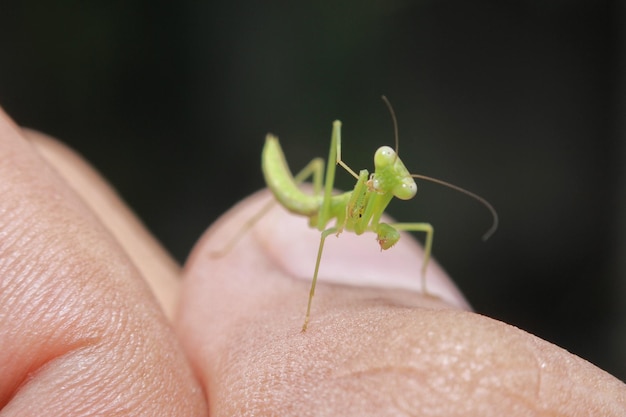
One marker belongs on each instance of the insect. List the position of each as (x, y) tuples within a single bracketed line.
[(357, 211)]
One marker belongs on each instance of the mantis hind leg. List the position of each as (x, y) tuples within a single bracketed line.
[(313, 169), (323, 237), (427, 228)]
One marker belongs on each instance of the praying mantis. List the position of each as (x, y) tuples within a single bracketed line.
[(356, 211)]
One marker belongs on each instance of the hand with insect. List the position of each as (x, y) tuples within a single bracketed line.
[(377, 346), (82, 334)]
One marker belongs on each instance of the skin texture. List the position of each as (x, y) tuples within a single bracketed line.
[(87, 299), (80, 330)]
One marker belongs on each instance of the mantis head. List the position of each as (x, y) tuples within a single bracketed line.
[(391, 175)]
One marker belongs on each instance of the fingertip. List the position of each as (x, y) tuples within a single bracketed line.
[(353, 260), (268, 272), (368, 348)]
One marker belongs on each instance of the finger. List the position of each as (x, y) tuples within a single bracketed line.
[(79, 329), (158, 268), (369, 349)]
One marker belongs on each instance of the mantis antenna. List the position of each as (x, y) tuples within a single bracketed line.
[(494, 213), (481, 200), (395, 123)]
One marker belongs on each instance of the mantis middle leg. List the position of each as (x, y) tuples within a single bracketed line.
[(427, 228)]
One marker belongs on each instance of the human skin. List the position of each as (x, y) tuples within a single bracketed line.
[(96, 319)]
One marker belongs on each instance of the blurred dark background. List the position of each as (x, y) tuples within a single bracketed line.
[(519, 101)]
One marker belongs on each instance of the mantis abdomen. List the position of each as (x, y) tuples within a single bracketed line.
[(282, 183)]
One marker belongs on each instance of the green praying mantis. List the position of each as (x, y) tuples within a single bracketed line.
[(356, 211)]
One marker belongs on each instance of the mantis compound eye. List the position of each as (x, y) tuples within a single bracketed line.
[(406, 189), (384, 157)]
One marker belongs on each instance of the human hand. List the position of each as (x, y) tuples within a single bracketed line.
[(374, 350), (81, 333)]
